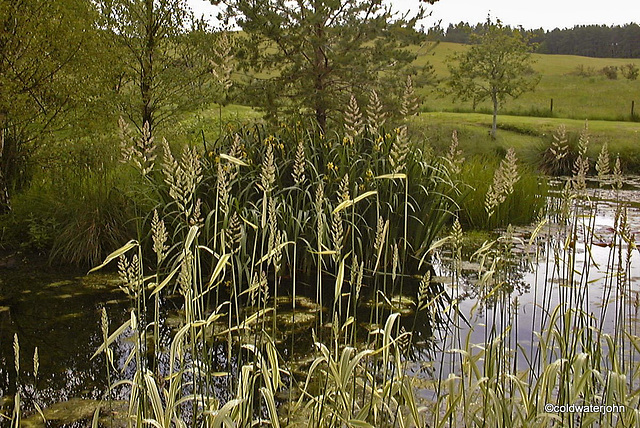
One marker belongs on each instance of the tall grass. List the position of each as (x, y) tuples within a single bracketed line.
[(233, 232), (519, 207), (577, 354), (240, 232)]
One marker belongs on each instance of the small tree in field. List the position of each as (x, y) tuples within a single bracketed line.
[(496, 66)]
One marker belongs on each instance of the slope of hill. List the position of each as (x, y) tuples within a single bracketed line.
[(593, 96)]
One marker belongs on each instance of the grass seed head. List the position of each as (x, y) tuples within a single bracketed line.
[(375, 114), (353, 123)]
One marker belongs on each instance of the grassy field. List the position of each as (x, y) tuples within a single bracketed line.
[(520, 131), (574, 97)]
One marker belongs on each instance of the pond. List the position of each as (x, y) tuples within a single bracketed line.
[(588, 263), (60, 314)]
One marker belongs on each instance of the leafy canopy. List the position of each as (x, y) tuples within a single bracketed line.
[(497, 66), (311, 55)]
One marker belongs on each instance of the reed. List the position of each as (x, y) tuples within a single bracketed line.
[(237, 235)]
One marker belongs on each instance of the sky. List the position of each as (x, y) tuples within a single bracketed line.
[(548, 14)]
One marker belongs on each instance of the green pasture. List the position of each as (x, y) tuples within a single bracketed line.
[(574, 97), (524, 133)]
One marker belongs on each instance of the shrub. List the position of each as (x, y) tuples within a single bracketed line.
[(610, 72), (77, 220), (630, 71), (583, 71)]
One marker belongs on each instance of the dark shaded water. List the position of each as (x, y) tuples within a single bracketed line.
[(60, 315)]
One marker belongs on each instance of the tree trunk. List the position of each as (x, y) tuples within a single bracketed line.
[(319, 65), (5, 202), (146, 72), (495, 116)]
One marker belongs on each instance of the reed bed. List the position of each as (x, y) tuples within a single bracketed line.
[(353, 220), (575, 361)]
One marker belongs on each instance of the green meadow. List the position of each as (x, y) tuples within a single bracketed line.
[(574, 97)]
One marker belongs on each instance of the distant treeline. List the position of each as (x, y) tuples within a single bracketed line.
[(599, 41)]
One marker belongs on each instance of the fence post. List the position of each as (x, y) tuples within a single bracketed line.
[(633, 103), (551, 106)]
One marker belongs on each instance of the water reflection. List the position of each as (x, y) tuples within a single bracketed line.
[(595, 269), (59, 316)]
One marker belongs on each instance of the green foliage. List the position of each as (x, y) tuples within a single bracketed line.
[(630, 71), (312, 55), (610, 72), (558, 152), (592, 97), (38, 89), (583, 71), (302, 160), (160, 58), (496, 66), (520, 207), (77, 222), (77, 207)]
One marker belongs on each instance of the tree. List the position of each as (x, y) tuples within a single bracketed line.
[(313, 54), (496, 66), (41, 42), (163, 65)]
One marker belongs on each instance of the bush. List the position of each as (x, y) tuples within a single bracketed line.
[(610, 72), (583, 71), (77, 220), (630, 71)]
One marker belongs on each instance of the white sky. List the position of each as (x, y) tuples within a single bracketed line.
[(547, 14)]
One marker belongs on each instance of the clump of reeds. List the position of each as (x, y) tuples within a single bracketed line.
[(576, 354), (504, 180)]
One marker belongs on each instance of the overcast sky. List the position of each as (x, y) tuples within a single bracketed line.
[(547, 14)]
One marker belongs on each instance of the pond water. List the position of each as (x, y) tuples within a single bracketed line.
[(60, 314), (544, 274)]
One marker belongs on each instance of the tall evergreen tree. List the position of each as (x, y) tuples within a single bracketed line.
[(313, 54)]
